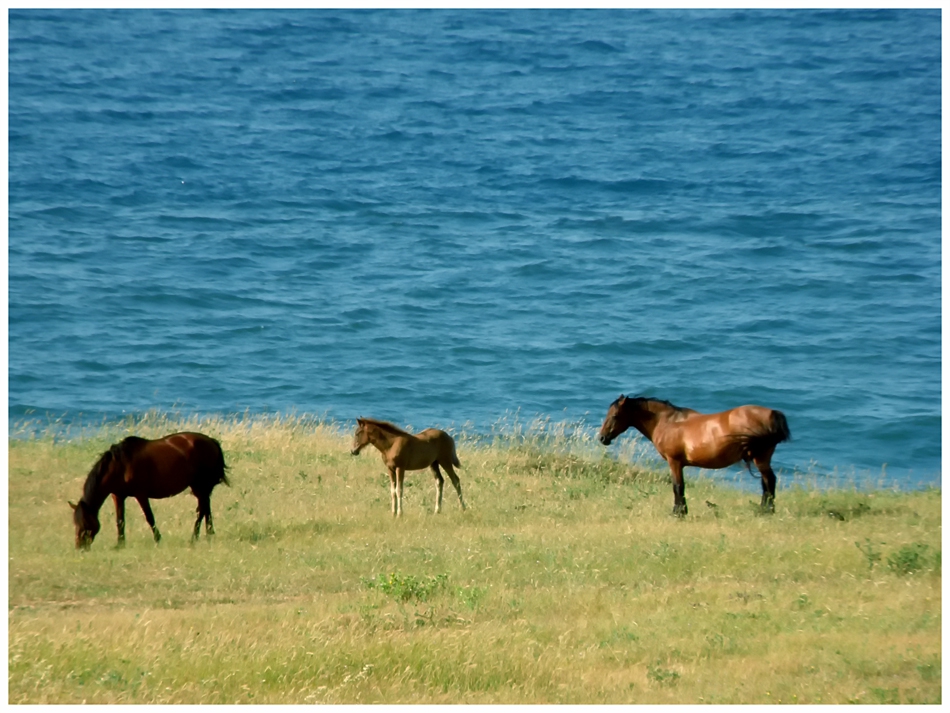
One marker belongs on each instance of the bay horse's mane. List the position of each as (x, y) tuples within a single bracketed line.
[(386, 426), (678, 409)]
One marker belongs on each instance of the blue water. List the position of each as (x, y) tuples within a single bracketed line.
[(443, 218)]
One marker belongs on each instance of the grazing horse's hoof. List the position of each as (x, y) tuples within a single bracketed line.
[(680, 510)]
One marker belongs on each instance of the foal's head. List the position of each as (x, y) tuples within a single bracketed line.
[(360, 437)]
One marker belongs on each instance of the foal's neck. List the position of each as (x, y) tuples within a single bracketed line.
[(381, 438)]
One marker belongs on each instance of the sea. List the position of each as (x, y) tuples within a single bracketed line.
[(466, 218)]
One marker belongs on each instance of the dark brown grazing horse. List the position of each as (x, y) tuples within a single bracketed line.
[(142, 469), (402, 451), (717, 440)]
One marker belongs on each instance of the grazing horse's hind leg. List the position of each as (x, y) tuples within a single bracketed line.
[(149, 517), (763, 462), (439, 484), (204, 513)]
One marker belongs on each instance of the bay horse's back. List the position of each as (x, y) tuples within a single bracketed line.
[(767, 428)]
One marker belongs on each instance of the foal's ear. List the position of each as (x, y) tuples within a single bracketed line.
[(73, 506)]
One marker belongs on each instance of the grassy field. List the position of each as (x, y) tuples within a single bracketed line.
[(566, 581)]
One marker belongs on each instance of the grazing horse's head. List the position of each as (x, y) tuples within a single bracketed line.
[(616, 421), (360, 437), (87, 525), (86, 513)]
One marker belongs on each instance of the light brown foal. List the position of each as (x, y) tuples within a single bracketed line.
[(402, 451), (717, 440)]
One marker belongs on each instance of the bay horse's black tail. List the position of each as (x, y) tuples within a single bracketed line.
[(774, 432)]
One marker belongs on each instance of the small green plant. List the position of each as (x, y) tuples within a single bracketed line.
[(908, 559), (471, 596), (406, 587), (662, 676), (873, 556)]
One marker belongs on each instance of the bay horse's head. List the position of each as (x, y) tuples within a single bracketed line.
[(360, 437), (617, 420)]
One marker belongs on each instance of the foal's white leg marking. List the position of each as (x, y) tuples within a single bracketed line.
[(438, 495), (392, 493), (399, 477)]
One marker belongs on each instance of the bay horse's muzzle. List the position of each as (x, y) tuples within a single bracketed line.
[(604, 439)]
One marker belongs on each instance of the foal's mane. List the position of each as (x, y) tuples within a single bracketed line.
[(386, 426)]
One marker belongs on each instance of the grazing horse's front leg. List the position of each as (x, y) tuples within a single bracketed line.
[(679, 488), (120, 517)]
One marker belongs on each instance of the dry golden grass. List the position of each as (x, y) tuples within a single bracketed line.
[(566, 581)]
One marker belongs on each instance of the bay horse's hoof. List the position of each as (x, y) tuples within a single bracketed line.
[(680, 510)]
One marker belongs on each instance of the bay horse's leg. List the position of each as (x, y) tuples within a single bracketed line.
[(455, 481), (763, 462), (400, 475), (149, 517), (120, 517), (392, 489), (439, 484), (679, 488)]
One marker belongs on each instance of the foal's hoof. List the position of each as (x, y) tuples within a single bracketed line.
[(680, 510)]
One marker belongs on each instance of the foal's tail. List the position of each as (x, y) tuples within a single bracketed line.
[(765, 438), (455, 457)]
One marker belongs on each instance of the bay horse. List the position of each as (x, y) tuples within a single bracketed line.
[(142, 469), (402, 451), (684, 437)]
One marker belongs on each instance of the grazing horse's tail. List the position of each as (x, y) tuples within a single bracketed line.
[(455, 458), (221, 464), (769, 435)]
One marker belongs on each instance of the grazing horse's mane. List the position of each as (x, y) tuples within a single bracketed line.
[(386, 426), (118, 452)]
